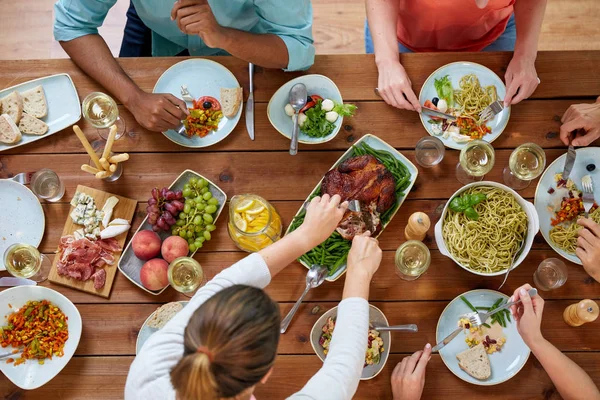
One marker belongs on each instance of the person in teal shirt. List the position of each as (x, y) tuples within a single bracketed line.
[(268, 33)]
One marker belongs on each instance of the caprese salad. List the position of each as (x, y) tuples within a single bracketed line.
[(317, 118)]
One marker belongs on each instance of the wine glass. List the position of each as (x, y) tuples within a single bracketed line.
[(102, 112), (526, 163), (186, 275), (476, 159), (429, 151), (412, 260), (25, 261)]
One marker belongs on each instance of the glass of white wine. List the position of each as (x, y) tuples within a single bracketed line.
[(412, 260), (25, 261), (186, 275), (102, 112), (476, 159), (526, 163)]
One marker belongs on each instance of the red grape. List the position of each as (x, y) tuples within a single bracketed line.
[(152, 217), (162, 224), (152, 209), (155, 193), (155, 228), (179, 205), (152, 201), (170, 195), (168, 218), (163, 192), (170, 207), (179, 194)]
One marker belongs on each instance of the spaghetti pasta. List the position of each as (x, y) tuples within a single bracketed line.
[(489, 244), (565, 235), (473, 98)]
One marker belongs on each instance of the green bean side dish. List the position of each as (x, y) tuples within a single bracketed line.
[(333, 252)]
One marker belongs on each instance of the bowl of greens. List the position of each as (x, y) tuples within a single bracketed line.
[(320, 120)]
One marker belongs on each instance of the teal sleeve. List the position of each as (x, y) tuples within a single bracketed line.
[(292, 22), (76, 18)]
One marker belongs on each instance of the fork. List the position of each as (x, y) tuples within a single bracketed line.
[(491, 111), (478, 318), (588, 193)]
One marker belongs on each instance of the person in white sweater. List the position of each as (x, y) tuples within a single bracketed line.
[(224, 342)]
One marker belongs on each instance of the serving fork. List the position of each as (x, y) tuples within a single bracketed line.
[(588, 194), (492, 110), (478, 318)]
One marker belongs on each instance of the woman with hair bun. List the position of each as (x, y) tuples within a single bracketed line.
[(224, 342)]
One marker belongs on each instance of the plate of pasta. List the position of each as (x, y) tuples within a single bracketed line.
[(464, 90), (485, 226), (558, 202)]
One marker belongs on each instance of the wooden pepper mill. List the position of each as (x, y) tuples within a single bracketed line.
[(417, 227), (581, 313)]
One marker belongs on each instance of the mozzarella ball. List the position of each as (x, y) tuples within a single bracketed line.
[(301, 119), (327, 105), (289, 110), (331, 116), (442, 105)]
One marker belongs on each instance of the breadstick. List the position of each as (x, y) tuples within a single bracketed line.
[(89, 169), (109, 142), (103, 174), (112, 168), (104, 163), (118, 158), (87, 146)]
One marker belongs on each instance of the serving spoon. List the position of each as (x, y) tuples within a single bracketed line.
[(298, 95), (315, 277)]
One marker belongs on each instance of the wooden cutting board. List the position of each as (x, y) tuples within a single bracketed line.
[(125, 209)]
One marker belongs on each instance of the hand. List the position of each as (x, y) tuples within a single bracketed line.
[(364, 256), (394, 86), (408, 378), (528, 315), (581, 117), (195, 17), (588, 247), (158, 112), (521, 79), (322, 217)]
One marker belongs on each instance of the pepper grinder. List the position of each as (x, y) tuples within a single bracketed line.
[(581, 313)]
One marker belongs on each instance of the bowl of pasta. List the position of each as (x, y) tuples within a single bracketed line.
[(486, 228)]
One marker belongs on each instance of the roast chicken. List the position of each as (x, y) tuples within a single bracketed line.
[(367, 180)]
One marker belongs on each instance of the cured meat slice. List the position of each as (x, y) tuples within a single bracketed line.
[(99, 278)]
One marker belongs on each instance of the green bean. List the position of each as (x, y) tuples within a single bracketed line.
[(463, 298), (483, 308), (486, 325)]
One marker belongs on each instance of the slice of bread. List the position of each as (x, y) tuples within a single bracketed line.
[(475, 362), (164, 314), (231, 100), (9, 132), (13, 106), (34, 102), (32, 126)]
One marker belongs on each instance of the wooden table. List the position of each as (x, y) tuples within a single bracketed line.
[(264, 167)]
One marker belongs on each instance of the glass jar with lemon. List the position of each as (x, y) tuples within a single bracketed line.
[(253, 222)]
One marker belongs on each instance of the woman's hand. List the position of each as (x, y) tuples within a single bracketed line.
[(583, 118), (323, 215), (528, 315), (408, 378), (588, 247), (364, 256), (394, 86), (521, 79)]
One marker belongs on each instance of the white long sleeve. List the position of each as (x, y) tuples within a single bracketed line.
[(149, 375), (339, 377)]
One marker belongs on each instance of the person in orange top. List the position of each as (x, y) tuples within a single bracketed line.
[(395, 26)]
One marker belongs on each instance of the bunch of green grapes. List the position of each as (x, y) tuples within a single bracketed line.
[(196, 221)]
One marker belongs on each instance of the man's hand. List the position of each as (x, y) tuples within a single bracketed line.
[(588, 247), (583, 118), (195, 17), (408, 378), (521, 79), (157, 112), (395, 88)]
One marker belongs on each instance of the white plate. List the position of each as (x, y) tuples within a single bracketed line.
[(146, 331), (32, 375), (63, 105), (585, 156), (456, 71), (21, 217), (505, 364), (203, 78)]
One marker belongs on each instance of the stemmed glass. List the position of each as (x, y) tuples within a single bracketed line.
[(186, 275), (476, 159), (25, 261), (526, 163), (102, 112)]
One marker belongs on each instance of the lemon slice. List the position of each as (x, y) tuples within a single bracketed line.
[(249, 218), (244, 205), (240, 222), (256, 210)]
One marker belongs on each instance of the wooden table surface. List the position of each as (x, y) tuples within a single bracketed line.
[(238, 165)]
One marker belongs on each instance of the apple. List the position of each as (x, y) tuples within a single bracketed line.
[(174, 247), (146, 245), (154, 274)]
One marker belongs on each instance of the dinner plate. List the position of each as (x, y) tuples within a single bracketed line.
[(21, 215), (145, 331), (457, 70), (376, 317), (32, 375), (63, 105), (505, 364), (585, 156), (203, 78), (315, 84)]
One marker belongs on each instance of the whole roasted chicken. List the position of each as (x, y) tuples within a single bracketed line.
[(367, 180)]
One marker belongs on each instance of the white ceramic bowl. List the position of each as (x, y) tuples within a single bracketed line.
[(32, 375), (533, 226)]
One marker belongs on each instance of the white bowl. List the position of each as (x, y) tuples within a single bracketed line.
[(533, 226), (32, 375)]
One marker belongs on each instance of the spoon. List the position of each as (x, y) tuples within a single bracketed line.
[(298, 95), (315, 277)]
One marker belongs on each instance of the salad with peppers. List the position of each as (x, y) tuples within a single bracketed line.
[(204, 117), (317, 118)]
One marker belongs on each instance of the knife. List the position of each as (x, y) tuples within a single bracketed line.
[(250, 104), (447, 340), (569, 162), (436, 113)]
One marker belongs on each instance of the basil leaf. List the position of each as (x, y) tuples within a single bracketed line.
[(457, 204), (471, 214)]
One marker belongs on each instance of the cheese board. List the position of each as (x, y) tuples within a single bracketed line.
[(83, 210)]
